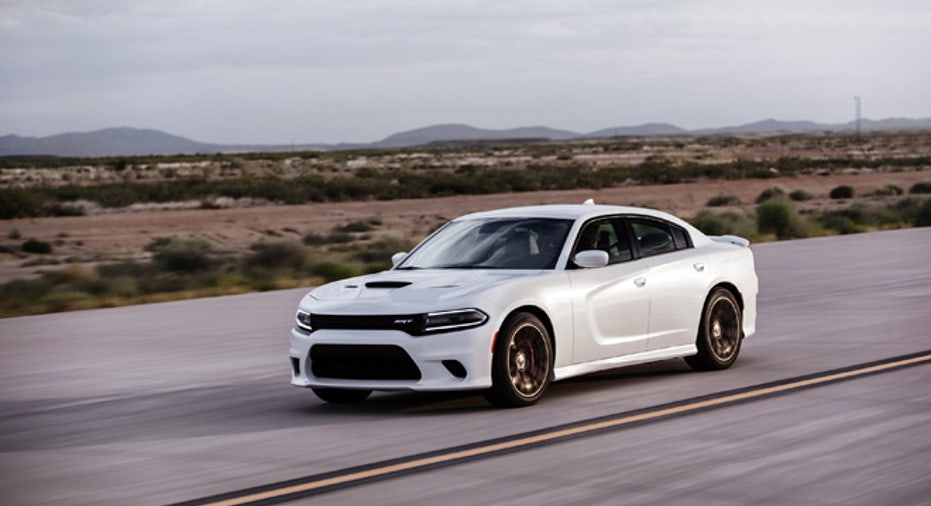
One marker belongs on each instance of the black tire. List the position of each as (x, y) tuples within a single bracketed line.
[(719, 334), (341, 395), (522, 362)]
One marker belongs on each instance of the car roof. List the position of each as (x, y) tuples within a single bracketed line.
[(567, 211), (582, 212)]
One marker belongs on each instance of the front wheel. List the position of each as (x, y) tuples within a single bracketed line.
[(720, 333), (522, 362), (341, 395)]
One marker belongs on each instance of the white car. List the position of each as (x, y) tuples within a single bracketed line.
[(507, 301)]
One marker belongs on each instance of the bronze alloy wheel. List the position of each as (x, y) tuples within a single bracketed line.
[(720, 334), (723, 328), (522, 363), (528, 360)]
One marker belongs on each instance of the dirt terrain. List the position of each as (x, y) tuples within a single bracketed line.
[(118, 235)]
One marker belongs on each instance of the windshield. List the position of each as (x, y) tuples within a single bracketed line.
[(492, 243)]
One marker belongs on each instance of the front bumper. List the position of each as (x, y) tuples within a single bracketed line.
[(470, 348)]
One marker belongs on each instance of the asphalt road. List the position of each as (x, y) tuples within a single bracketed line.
[(170, 402)]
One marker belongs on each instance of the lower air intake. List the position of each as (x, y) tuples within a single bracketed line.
[(362, 362)]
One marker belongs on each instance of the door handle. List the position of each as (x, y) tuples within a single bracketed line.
[(699, 266), (640, 282)]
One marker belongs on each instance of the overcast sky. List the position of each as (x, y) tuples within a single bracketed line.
[(282, 71)]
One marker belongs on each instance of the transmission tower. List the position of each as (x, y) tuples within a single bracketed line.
[(856, 101)]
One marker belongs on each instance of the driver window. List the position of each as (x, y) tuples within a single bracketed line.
[(608, 236)]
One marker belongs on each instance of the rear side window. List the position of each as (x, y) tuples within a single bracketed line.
[(655, 237), (679, 237)]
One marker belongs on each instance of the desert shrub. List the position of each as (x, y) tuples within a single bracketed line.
[(18, 295), (779, 217), (167, 282), (770, 193), (888, 190), (923, 217), (340, 238), (729, 222), (359, 226), (71, 274), (859, 218), (36, 246), (182, 260), (127, 268), (723, 200), (380, 251), (180, 255), (120, 164), (842, 192), (92, 286), (863, 217), (332, 271), (64, 300), (20, 203), (841, 224), (285, 255), (800, 196), (907, 209), (121, 286), (177, 243), (313, 239), (920, 187)]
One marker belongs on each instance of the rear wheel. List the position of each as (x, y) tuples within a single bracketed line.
[(522, 362), (341, 395), (720, 333)]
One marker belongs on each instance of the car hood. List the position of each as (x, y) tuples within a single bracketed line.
[(413, 290)]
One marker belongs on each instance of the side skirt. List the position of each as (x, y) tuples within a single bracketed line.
[(625, 360)]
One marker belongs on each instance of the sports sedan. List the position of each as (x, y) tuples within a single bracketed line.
[(510, 300)]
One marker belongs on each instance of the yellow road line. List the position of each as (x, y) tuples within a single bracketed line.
[(561, 433)]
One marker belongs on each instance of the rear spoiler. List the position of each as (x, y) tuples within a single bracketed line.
[(730, 239)]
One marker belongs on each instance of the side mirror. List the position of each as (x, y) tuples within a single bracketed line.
[(398, 258), (591, 259)]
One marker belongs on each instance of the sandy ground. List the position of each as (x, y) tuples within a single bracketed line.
[(87, 239)]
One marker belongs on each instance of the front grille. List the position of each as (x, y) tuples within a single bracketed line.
[(362, 362), (412, 324)]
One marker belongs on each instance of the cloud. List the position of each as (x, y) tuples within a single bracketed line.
[(247, 71)]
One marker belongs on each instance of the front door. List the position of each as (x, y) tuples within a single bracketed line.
[(611, 304)]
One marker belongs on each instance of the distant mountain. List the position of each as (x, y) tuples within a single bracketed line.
[(107, 142), (890, 123), (125, 142), (459, 132), (133, 141), (768, 125), (645, 129), (775, 126)]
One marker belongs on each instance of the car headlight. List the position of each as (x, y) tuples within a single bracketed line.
[(303, 321), (458, 319)]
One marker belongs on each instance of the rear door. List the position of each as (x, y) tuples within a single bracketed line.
[(677, 278)]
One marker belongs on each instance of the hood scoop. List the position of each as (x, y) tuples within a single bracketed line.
[(387, 284)]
